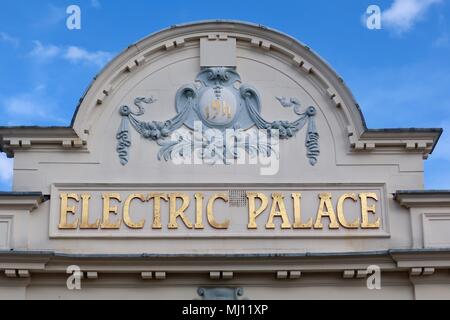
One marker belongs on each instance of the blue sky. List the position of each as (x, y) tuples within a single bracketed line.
[(400, 75)]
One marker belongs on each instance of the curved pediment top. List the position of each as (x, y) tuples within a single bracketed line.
[(302, 71), (258, 37)]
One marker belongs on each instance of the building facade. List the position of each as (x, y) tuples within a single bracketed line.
[(221, 160)]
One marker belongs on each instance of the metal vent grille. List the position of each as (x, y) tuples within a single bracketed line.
[(238, 198)]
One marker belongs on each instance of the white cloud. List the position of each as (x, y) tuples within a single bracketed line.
[(403, 14), (96, 4), (33, 107), (77, 54), (6, 168), (73, 54), (6, 38), (24, 105), (44, 52), (443, 41)]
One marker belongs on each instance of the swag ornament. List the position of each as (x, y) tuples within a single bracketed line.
[(218, 104)]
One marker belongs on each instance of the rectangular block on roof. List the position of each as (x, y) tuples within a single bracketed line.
[(217, 52)]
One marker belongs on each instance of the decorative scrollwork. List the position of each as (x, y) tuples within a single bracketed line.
[(216, 105)]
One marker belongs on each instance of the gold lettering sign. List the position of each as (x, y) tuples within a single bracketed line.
[(157, 197), (278, 210), (176, 213), (296, 196), (65, 209), (126, 212), (340, 211), (253, 213), (85, 214), (199, 211), (211, 219), (108, 209), (326, 211), (366, 209), (266, 211)]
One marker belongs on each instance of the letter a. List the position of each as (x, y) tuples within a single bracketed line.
[(73, 22)]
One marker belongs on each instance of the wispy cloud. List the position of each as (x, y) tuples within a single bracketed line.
[(6, 168), (413, 95), (53, 16), (404, 14), (96, 4), (443, 41), (44, 52), (77, 55), (8, 39), (72, 54), (34, 107), (410, 96)]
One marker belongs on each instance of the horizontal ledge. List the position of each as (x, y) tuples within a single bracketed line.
[(402, 131), (379, 253), (20, 194), (37, 131), (21, 200), (220, 185), (424, 192), (423, 198), (404, 134), (394, 260), (307, 234)]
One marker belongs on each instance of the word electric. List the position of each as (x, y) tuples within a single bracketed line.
[(184, 211)]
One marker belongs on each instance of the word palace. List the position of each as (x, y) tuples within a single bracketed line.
[(186, 211)]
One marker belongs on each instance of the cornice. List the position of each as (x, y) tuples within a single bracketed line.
[(419, 140), (351, 265), (14, 139), (423, 198), (21, 200)]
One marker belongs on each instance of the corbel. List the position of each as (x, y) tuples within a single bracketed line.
[(355, 274), (92, 275), (13, 273), (416, 272), (221, 275), (292, 275)]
